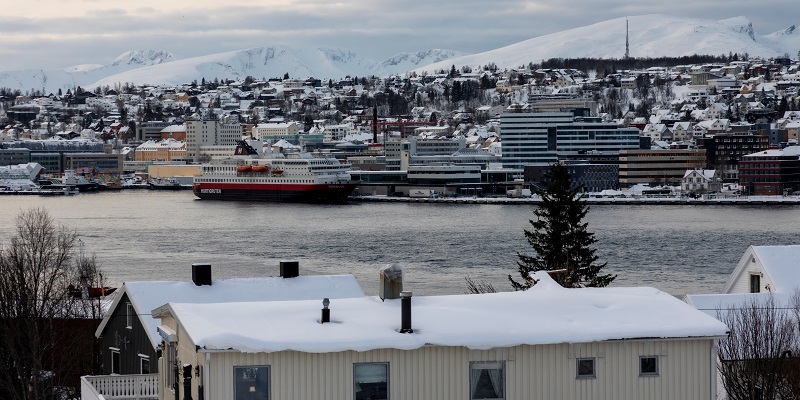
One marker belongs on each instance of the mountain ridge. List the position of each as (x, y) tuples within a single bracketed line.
[(650, 35)]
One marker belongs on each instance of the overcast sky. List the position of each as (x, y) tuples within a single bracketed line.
[(61, 33)]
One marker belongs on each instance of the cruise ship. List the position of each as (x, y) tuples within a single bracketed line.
[(250, 175)]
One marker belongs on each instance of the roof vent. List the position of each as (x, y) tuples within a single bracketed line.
[(405, 312), (391, 282), (201, 274), (290, 269)]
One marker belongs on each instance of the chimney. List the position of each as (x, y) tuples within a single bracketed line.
[(201, 274), (391, 282), (405, 306), (290, 269), (326, 312), (375, 124)]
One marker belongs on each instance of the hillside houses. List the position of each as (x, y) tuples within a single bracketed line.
[(682, 107)]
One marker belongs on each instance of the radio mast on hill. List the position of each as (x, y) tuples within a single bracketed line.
[(627, 43)]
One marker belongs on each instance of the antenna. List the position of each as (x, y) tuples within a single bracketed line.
[(627, 43)]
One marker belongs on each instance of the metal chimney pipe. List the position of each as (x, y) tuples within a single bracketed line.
[(405, 312), (326, 312), (375, 124)]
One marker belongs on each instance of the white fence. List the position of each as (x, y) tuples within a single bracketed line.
[(119, 387)]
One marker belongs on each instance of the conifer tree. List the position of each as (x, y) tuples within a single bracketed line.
[(559, 238)]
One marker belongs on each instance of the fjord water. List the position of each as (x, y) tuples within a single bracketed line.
[(153, 235)]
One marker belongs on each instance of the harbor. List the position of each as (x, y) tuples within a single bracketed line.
[(712, 201)]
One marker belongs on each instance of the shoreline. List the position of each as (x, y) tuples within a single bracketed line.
[(751, 200)]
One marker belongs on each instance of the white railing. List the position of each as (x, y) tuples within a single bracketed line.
[(119, 387)]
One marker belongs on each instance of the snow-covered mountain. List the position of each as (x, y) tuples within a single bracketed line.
[(159, 67), (80, 75), (649, 36), (275, 61), (787, 39)]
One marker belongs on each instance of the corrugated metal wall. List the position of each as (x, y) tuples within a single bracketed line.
[(532, 372)]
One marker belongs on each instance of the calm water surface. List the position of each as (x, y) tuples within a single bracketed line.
[(147, 235)]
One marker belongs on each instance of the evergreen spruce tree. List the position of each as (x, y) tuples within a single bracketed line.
[(559, 238)]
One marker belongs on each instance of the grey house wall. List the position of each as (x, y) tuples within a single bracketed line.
[(131, 342)]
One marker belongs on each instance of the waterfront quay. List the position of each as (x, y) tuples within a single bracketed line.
[(722, 200)]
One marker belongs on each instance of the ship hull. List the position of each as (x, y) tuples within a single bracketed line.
[(275, 192)]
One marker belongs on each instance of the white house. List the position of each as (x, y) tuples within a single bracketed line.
[(681, 131), (762, 270), (657, 132), (547, 342), (701, 181)]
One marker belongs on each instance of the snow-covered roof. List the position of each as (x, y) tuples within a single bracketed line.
[(714, 304), (782, 264), (148, 295), (545, 314), (707, 174)]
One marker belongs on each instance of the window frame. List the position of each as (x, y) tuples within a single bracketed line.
[(129, 313), (578, 374), (115, 354), (142, 359), (388, 383), (269, 379), (488, 365), (657, 366), (755, 283)]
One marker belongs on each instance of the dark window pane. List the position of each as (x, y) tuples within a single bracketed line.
[(251, 383), (586, 367), (371, 381), (648, 365), (487, 381), (115, 363)]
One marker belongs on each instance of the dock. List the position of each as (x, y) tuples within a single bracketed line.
[(726, 200)]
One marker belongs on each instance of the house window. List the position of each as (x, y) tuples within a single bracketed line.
[(585, 368), (251, 383), (371, 381), (129, 315), (648, 366), (486, 380), (115, 361), (755, 283), (144, 364)]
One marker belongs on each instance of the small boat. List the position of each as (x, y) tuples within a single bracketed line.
[(260, 168), (244, 168), (277, 171)]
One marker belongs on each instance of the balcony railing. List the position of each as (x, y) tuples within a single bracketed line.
[(119, 387)]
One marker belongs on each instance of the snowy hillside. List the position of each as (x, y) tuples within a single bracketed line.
[(649, 36), (275, 61), (404, 62), (80, 75), (787, 40)]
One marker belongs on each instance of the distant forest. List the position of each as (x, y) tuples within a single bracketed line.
[(605, 66)]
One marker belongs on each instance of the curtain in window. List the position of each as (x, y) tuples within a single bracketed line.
[(474, 377), (496, 376)]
